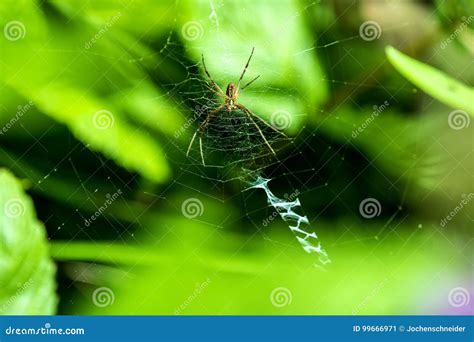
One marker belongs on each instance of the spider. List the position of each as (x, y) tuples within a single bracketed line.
[(230, 103)]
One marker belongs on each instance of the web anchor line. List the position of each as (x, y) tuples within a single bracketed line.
[(296, 222)]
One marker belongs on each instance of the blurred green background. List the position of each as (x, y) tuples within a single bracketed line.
[(98, 105)]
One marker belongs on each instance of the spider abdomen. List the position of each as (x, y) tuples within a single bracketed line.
[(230, 91)]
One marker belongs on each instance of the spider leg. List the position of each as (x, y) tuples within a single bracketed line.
[(200, 146), (245, 86), (245, 109), (215, 92), (191, 142), (201, 129), (261, 133), (200, 150), (245, 69), (219, 90)]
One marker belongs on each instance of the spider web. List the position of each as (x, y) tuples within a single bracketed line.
[(233, 150), (304, 182), (306, 167), (241, 148), (233, 141)]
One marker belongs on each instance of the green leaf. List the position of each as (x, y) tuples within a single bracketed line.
[(199, 279), (102, 128), (399, 145), (72, 87), (124, 14), (432, 81), (27, 274)]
